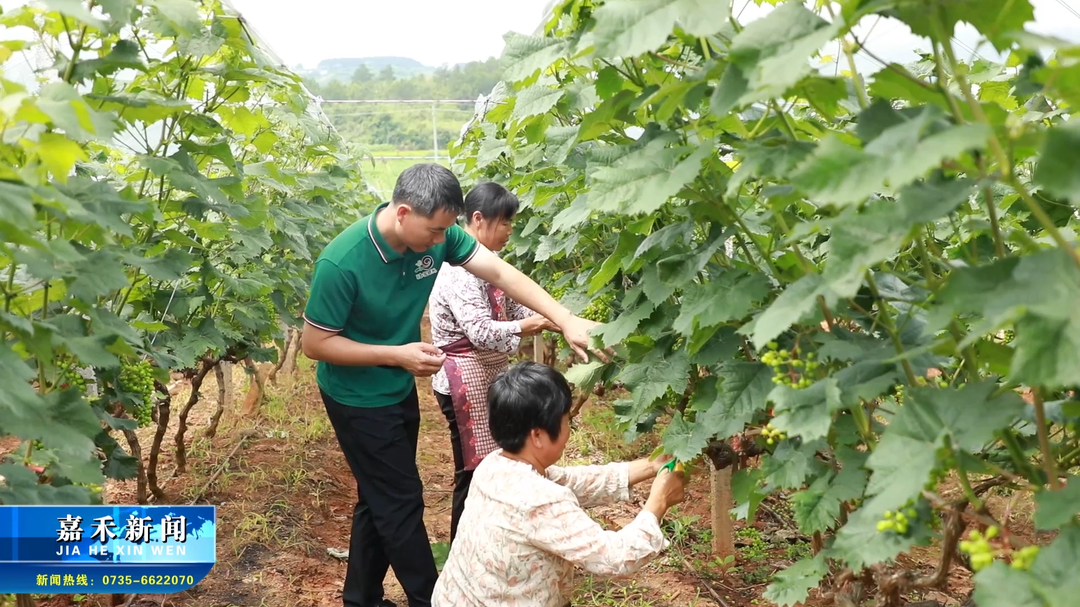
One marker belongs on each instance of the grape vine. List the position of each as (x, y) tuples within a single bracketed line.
[(166, 187), (743, 201)]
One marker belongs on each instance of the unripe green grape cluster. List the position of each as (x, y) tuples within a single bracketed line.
[(978, 547), (69, 376), (138, 379), (900, 521), (788, 369), (1022, 558), (772, 435), (1008, 335), (599, 309)]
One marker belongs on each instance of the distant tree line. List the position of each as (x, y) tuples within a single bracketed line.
[(406, 126)]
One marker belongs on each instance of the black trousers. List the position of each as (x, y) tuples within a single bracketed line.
[(388, 520), (462, 477)]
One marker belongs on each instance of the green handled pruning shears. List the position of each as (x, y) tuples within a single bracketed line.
[(671, 466)]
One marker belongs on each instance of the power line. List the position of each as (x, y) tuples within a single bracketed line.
[(1069, 8)]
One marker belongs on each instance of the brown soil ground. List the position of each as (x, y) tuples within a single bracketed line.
[(285, 497)]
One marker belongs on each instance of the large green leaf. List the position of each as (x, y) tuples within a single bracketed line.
[(797, 301), (1058, 507), (725, 407), (625, 28), (860, 239), (125, 54), (806, 412), (524, 55), (1031, 289), (840, 174), (681, 441), (995, 19), (773, 52), (1059, 167), (907, 452), (730, 296), (535, 100), (789, 466), (794, 583), (817, 508), (643, 180)]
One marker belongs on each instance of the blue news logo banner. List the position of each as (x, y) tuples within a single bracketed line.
[(105, 549)]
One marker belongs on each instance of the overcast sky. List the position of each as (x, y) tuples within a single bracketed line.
[(437, 32), (434, 32)]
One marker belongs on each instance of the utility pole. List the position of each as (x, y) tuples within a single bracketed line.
[(434, 134)]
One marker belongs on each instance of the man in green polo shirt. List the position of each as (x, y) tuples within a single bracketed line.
[(368, 294)]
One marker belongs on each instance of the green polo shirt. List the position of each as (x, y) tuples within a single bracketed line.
[(371, 294)]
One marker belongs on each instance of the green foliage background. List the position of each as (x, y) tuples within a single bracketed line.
[(728, 200), (163, 194)]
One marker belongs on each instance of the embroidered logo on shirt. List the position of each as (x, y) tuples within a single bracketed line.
[(425, 267)]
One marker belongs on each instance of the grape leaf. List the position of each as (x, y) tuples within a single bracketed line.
[(681, 441), (772, 52), (817, 508), (657, 373), (745, 387), (730, 296), (535, 100), (1058, 169), (729, 91), (860, 239), (797, 300), (840, 174), (585, 375), (789, 466), (21, 487), (644, 180), (626, 28), (907, 452), (806, 412), (59, 154), (1058, 507), (792, 585), (726, 406), (76, 9), (524, 55), (995, 19), (1031, 288), (624, 326)]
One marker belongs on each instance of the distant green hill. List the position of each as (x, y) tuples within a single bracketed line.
[(343, 68)]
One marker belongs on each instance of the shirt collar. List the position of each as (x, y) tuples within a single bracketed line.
[(386, 252)]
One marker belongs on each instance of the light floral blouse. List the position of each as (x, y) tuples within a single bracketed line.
[(522, 534), (464, 305)]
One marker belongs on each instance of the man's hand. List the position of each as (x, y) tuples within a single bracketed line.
[(420, 359), (576, 332), (536, 324)]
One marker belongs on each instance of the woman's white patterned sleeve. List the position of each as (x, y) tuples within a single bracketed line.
[(594, 485), (565, 530)]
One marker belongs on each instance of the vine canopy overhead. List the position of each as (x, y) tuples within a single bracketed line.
[(871, 277)]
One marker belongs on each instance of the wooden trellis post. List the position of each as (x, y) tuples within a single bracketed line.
[(723, 543)]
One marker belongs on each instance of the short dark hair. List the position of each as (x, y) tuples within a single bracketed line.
[(523, 398), (429, 187), (492, 200)]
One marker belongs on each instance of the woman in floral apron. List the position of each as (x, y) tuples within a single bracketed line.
[(478, 328)]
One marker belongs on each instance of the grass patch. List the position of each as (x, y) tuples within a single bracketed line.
[(596, 438)]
